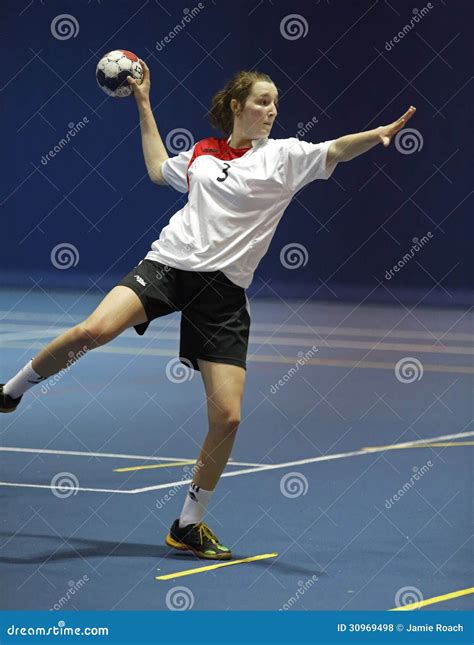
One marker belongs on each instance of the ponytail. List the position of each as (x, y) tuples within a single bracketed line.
[(238, 87)]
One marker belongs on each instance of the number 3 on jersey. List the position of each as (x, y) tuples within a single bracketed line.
[(225, 170)]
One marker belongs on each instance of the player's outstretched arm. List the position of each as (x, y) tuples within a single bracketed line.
[(154, 150), (352, 145)]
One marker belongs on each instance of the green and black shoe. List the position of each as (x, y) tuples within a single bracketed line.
[(7, 404), (199, 539)]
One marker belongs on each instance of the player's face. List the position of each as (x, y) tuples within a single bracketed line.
[(260, 110)]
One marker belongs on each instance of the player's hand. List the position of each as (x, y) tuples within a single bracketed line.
[(386, 132), (141, 89)]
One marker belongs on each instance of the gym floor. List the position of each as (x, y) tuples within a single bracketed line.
[(350, 485)]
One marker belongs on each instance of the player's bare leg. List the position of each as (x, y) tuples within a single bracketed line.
[(224, 386), (121, 308)]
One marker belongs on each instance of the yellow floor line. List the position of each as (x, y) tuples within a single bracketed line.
[(168, 464), (451, 444), (184, 462), (190, 572), (432, 601)]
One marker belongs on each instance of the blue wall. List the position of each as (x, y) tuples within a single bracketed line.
[(342, 75)]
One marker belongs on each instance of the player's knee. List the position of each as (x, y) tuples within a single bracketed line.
[(226, 420), (94, 334)]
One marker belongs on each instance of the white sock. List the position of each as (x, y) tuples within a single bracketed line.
[(195, 505), (23, 381)]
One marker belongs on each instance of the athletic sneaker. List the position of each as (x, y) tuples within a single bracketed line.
[(199, 539), (7, 404)]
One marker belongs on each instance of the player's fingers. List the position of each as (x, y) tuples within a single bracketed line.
[(409, 113), (404, 116), (145, 67), (131, 80)]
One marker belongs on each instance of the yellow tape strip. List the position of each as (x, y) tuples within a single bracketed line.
[(432, 601), (423, 445), (190, 572), (168, 464)]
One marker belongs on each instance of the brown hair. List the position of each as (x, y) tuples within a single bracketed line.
[(238, 87)]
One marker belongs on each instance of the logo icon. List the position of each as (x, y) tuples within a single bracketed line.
[(139, 279)]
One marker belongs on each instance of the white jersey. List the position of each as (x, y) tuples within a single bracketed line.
[(236, 199)]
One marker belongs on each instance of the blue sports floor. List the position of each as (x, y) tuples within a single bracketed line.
[(352, 472)]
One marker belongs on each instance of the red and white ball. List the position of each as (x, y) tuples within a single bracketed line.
[(112, 71)]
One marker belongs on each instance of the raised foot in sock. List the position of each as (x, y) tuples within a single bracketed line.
[(7, 404)]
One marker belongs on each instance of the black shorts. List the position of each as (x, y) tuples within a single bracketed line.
[(215, 320)]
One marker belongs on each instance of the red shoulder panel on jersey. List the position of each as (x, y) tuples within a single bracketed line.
[(216, 148)]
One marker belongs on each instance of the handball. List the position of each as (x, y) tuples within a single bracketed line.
[(112, 71)]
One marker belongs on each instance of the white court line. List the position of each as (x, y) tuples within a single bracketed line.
[(65, 488), (311, 460), (37, 317), (75, 453), (260, 468), (31, 335), (7, 337), (264, 358)]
